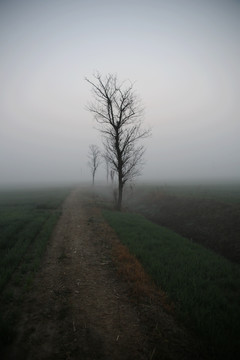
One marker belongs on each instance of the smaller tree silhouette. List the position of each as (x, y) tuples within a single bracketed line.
[(94, 156), (107, 167)]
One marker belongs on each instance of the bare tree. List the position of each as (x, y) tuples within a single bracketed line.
[(94, 156), (118, 111), (107, 168)]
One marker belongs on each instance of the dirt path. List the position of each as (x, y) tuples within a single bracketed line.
[(79, 307)]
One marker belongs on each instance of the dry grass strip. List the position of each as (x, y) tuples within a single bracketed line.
[(130, 269)]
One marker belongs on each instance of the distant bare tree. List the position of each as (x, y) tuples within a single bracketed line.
[(112, 175), (94, 156), (107, 168), (118, 111)]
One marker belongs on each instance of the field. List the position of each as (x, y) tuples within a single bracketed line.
[(228, 192), (185, 237), (204, 286), (207, 214), (27, 219)]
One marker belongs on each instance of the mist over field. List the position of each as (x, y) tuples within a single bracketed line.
[(183, 57)]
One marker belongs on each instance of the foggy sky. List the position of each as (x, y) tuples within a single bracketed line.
[(183, 56)]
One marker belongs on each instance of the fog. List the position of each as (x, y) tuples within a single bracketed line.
[(183, 56)]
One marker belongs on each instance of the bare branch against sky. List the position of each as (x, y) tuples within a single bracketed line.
[(183, 55)]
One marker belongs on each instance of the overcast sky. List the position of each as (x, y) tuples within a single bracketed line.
[(183, 56)]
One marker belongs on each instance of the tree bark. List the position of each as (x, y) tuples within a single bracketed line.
[(120, 195)]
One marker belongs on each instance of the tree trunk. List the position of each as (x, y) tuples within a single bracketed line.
[(120, 195)]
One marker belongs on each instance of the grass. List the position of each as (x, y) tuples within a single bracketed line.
[(204, 286), (27, 219)]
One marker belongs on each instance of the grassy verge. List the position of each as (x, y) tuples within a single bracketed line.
[(27, 219), (205, 287)]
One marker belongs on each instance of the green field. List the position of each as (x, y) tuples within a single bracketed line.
[(204, 286), (27, 219)]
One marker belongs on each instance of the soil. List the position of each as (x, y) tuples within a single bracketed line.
[(81, 307)]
